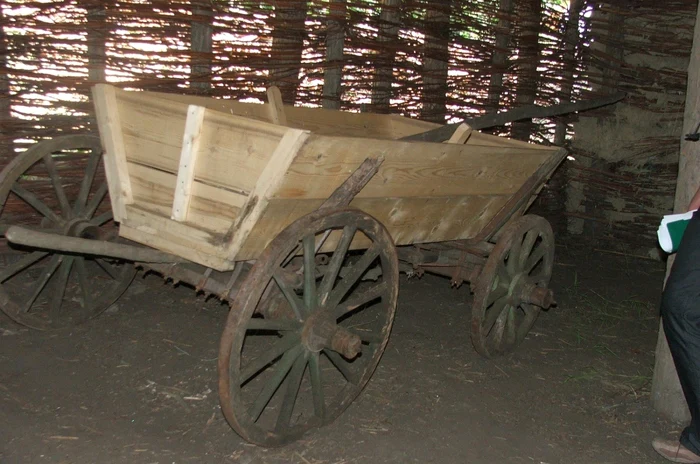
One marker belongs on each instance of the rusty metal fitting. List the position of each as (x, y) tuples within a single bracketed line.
[(540, 296), (347, 344)]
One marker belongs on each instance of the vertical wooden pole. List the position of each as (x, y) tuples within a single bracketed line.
[(526, 89), (501, 51), (571, 39), (6, 132), (201, 43), (96, 38), (666, 394), (436, 59), (288, 33), (335, 41), (384, 70)]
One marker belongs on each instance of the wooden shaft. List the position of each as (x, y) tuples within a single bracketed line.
[(36, 239)]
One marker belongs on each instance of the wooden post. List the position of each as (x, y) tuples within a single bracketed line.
[(289, 30), (436, 59), (501, 51), (6, 132), (384, 70), (666, 393), (96, 38), (201, 43), (526, 89), (335, 45), (571, 39)]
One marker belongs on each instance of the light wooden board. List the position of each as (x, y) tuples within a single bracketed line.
[(410, 169), (109, 123), (188, 162), (409, 220), (317, 120), (210, 207), (234, 149)]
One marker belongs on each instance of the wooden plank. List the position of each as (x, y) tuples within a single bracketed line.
[(410, 168), (276, 107), (267, 185), (110, 127), (156, 240), (408, 220), (461, 135), (237, 148), (211, 208), (188, 161)]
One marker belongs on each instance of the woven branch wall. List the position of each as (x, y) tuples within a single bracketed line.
[(432, 59)]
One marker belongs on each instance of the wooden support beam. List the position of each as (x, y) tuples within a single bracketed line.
[(105, 100), (277, 114), (201, 43), (188, 161), (388, 33), (461, 134), (335, 47), (501, 52)]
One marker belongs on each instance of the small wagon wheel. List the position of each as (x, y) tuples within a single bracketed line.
[(57, 186), (512, 287), (283, 372)]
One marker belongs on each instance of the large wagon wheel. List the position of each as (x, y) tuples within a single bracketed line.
[(512, 287), (57, 186), (286, 368)]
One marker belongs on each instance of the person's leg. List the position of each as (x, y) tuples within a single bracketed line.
[(680, 312)]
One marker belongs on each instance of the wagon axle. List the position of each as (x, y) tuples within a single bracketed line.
[(321, 331)]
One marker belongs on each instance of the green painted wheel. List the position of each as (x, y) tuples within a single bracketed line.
[(512, 287), (57, 186), (308, 327)]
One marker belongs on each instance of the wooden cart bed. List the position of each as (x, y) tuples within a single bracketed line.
[(213, 181)]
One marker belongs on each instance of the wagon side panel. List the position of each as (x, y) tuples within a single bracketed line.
[(422, 193)]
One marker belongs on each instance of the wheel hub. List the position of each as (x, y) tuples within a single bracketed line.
[(524, 290), (82, 228), (321, 332)]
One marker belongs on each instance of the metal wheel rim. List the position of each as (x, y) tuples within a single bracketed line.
[(76, 265), (499, 326), (243, 307)]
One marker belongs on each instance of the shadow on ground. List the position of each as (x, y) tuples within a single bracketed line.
[(138, 385)]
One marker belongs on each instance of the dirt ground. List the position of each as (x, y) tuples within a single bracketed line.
[(138, 385)]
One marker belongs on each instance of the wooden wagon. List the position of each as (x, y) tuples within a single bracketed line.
[(301, 218)]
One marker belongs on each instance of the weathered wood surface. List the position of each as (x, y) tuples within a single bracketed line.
[(248, 178)]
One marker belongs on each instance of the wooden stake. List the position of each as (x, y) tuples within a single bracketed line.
[(188, 161), (274, 98)]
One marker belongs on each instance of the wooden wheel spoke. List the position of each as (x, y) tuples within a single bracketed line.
[(343, 367), (351, 278), (34, 201), (291, 297), (57, 186), (529, 242), (290, 395), (492, 315), (336, 263), (359, 298), (106, 267), (90, 171), (281, 347), (43, 280), (60, 284), (503, 276), (514, 255), (510, 326), (310, 298), (317, 386), (281, 370), (102, 218), (537, 255), (499, 327), (83, 281), (21, 264), (273, 324), (496, 294), (95, 201)]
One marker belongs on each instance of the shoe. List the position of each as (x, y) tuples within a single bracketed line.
[(674, 451)]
